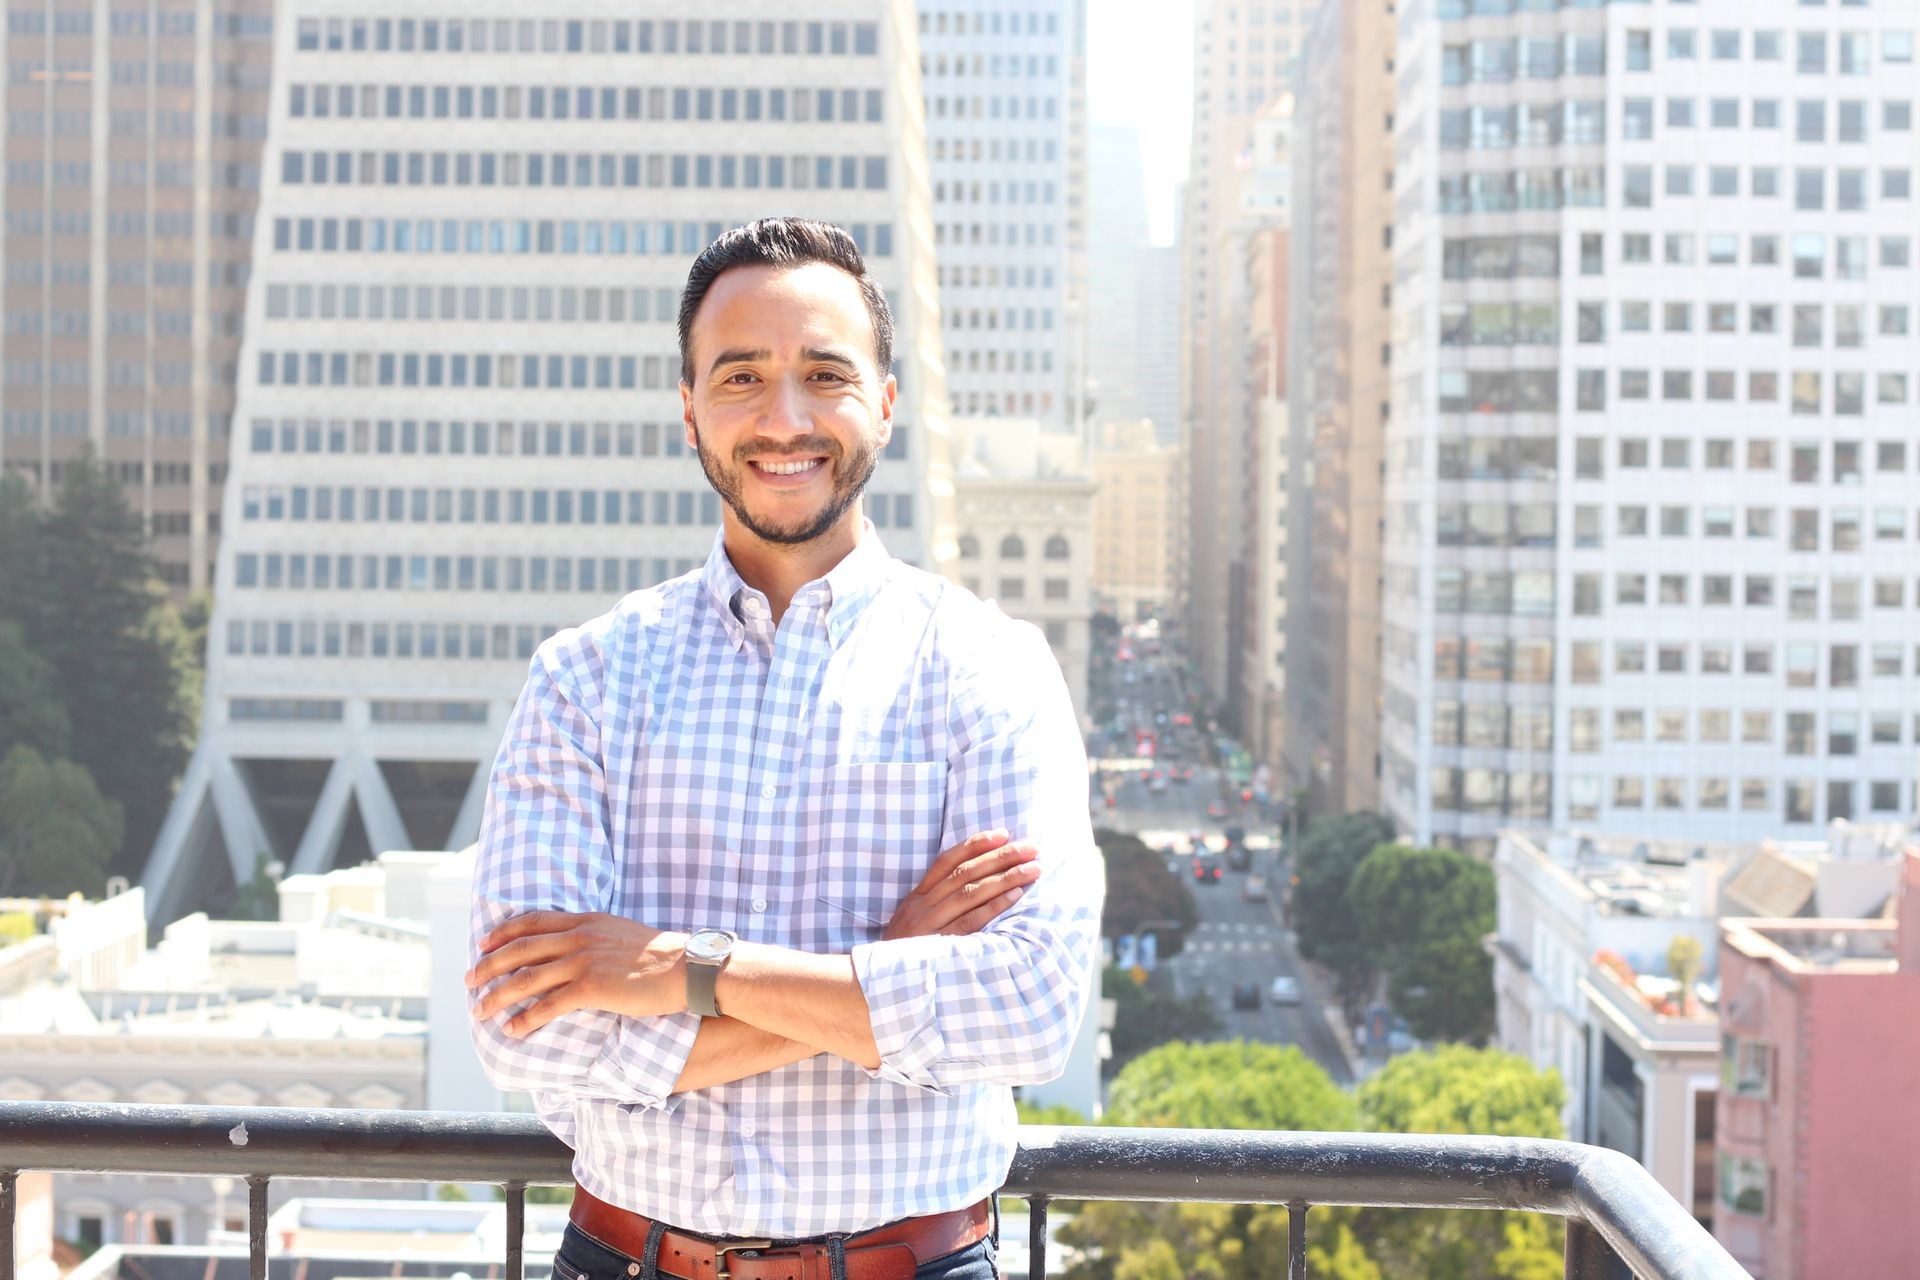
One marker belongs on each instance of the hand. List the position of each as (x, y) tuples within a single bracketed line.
[(564, 960), (966, 887)]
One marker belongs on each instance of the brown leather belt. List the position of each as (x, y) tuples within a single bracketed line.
[(886, 1253)]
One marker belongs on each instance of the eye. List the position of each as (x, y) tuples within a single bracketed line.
[(829, 373), (739, 377)]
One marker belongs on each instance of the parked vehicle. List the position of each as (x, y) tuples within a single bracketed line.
[(1254, 890), (1285, 990), (1246, 995)]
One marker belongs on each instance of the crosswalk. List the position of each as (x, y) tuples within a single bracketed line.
[(1213, 937)]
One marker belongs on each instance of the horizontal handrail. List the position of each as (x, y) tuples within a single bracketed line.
[(1615, 1209)]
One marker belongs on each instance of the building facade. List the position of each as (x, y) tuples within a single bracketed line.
[(1649, 504), (133, 144), (1243, 56), (1342, 356), (1820, 1038), (1024, 510), (460, 424), (1138, 500), (1006, 139)]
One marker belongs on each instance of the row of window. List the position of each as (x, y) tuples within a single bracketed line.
[(524, 235), (309, 638), (1530, 593), (1503, 59), (552, 35), (1529, 795), (585, 169), (1485, 324), (1538, 256), (1501, 727), (481, 370), (580, 102), (1852, 50), (506, 439), (375, 505), (301, 571), (564, 304), (1497, 60), (1810, 116), (1812, 392), (1844, 460), (379, 710), (1717, 657)]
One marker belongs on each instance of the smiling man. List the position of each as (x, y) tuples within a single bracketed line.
[(786, 876)]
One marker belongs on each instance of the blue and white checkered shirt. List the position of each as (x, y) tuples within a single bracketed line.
[(683, 762)]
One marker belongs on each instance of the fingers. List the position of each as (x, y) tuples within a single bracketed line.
[(981, 916), (505, 957), (1007, 870), (527, 924), (944, 865), (562, 1001), (522, 985)]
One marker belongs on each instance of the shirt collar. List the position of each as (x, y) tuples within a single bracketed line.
[(846, 590)]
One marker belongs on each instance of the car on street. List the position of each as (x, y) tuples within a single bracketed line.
[(1246, 995), (1206, 870), (1284, 990), (1254, 889)]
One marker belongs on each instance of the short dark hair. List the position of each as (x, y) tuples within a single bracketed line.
[(783, 242)]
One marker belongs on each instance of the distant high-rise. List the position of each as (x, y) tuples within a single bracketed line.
[(133, 139), (1117, 231), (1157, 348), (458, 424), (1650, 559), (1243, 53), (1005, 138), (1342, 357)]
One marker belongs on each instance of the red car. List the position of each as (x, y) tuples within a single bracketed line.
[(1206, 871)]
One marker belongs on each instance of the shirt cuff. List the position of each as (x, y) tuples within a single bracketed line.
[(640, 1065), (900, 979)]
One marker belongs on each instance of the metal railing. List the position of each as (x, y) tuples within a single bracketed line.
[(1620, 1222)]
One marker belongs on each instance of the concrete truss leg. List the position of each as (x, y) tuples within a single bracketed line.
[(320, 842), (466, 823), (385, 831)]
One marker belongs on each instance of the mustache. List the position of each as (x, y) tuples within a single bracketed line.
[(805, 447)]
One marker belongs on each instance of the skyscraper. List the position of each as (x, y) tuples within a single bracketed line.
[(1006, 142), (1342, 354), (1650, 495), (1243, 54), (459, 428), (133, 140)]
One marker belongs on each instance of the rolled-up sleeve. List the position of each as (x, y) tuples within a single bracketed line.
[(1003, 1005), (544, 846)]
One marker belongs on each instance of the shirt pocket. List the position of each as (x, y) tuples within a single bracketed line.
[(880, 834)]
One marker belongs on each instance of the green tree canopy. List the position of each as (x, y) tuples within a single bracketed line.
[(1228, 1084), (1421, 915), (1140, 891), (79, 585), (56, 831), (1328, 855), (31, 712), (1145, 1018)]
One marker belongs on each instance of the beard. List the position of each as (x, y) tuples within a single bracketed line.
[(850, 473)]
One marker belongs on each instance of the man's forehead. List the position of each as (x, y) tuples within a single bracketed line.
[(815, 292)]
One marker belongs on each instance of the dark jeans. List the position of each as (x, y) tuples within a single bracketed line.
[(581, 1257)]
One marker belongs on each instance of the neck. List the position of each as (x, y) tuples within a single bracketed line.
[(778, 569)]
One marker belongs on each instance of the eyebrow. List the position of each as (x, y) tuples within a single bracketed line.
[(826, 355)]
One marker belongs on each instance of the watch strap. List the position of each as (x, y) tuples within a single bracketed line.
[(702, 977)]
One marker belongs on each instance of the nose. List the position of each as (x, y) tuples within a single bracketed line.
[(786, 413)]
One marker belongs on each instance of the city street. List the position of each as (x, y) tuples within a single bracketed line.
[(1236, 941)]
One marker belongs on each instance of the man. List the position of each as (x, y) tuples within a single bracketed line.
[(716, 935)]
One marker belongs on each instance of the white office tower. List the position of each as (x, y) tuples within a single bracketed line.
[(1002, 91), (458, 427), (1650, 498)]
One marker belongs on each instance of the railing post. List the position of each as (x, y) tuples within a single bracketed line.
[(1036, 1238), (1296, 1241), (516, 1229), (256, 1227), (9, 1207), (1590, 1257)]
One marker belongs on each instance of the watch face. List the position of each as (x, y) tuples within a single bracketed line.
[(709, 944)]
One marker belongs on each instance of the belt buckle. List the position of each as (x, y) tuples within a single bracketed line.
[(721, 1250)]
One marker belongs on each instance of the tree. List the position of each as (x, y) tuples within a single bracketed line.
[(56, 831), (1059, 1113), (1144, 1019), (1455, 1089), (1683, 965), (1233, 1084), (83, 591), (1328, 855), (1140, 891), (30, 708), (1420, 915)]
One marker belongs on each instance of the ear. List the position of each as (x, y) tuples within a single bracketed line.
[(686, 417), (888, 394)]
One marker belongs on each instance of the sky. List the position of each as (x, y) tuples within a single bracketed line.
[(1140, 73)]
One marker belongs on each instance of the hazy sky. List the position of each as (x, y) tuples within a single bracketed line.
[(1140, 73)]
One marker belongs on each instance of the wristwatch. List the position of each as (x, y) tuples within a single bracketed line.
[(707, 951)]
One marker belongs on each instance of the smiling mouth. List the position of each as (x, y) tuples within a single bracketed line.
[(791, 467)]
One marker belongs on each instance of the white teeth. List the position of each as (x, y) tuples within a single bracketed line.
[(787, 468)]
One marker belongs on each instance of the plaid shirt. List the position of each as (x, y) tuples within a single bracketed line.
[(682, 762)]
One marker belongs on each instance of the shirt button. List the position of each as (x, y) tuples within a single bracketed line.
[(751, 607), (747, 1129), (769, 791), (759, 904)]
